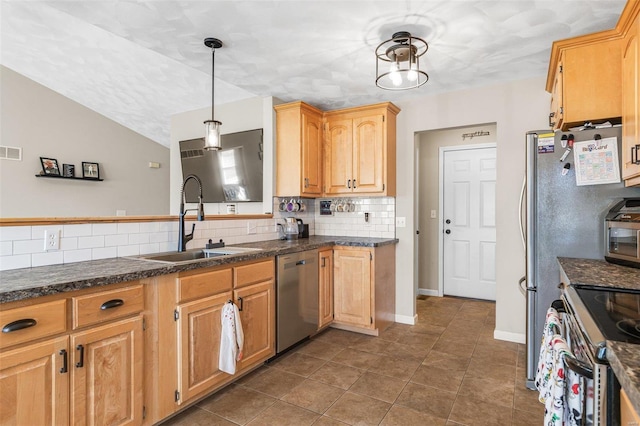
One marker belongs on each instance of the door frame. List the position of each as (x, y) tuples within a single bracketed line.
[(441, 152)]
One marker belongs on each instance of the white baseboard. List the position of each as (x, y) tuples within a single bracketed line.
[(427, 292), (406, 319), (510, 337)]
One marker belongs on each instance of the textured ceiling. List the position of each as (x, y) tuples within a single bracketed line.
[(139, 62)]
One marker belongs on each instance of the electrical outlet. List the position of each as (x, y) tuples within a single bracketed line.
[(401, 222), (51, 239)]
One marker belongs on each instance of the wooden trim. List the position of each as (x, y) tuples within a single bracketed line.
[(365, 109), (32, 221), (628, 16)]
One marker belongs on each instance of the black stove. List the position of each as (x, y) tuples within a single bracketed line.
[(616, 312)]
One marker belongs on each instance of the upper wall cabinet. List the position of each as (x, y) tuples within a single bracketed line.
[(360, 150), (298, 150), (585, 79), (630, 97)]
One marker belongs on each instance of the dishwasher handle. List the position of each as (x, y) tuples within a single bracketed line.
[(301, 262)]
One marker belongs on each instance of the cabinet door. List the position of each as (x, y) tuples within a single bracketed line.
[(338, 156), (352, 286), (106, 374), (368, 154), (311, 154), (325, 288), (555, 119), (199, 328), (630, 110), (258, 318), (34, 388)]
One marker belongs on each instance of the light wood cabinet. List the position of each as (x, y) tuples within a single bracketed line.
[(628, 416), (630, 104), (584, 80), (257, 313), (298, 150), (325, 288), (106, 374), (360, 150), (34, 384), (92, 375), (364, 290)]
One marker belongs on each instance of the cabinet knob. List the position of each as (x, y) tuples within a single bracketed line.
[(448, 231)]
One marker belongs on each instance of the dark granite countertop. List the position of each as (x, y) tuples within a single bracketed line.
[(600, 273), (20, 284), (625, 362)]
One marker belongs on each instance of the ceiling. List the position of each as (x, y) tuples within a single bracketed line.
[(139, 62)]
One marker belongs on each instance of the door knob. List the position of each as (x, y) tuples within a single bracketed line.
[(447, 221), (448, 231)]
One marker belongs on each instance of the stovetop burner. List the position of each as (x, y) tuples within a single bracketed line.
[(616, 312)]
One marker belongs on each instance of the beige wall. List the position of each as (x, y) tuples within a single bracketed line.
[(45, 123), (428, 186), (515, 107)]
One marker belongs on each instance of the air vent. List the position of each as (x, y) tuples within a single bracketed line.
[(10, 153), (192, 153)]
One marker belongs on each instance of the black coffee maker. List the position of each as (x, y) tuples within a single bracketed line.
[(303, 229)]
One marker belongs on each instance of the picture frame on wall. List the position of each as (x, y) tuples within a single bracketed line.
[(68, 170), (50, 166), (90, 170)]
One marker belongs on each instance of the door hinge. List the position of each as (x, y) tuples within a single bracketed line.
[(370, 320), (144, 412), (383, 185), (383, 118), (560, 68), (177, 396), (176, 315), (144, 324), (370, 256)]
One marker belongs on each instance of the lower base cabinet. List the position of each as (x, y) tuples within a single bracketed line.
[(325, 288)]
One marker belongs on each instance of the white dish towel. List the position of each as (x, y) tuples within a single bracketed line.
[(231, 338)]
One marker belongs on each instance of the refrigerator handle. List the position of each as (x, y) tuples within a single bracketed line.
[(521, 286), (520, 219)]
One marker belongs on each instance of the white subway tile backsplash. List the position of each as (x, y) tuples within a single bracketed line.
[(68, 243), (149, 248), (131, 250), (82, 230), (128, 228), (12, 233), (149, 227), (15, 262), (158, 237), (49, 258), (104, 253), (116, 240), (138, 238), (104, 229), (91, 242), (28, 246), (77, 255), (6, 248)]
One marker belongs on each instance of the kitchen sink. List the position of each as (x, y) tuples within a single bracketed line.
[(194, 254)]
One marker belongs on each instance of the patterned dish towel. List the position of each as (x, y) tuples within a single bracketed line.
[(231, 338), (551, 328)]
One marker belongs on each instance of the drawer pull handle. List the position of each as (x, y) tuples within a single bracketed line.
[(241, 304), (80, 363), (64, 368), (19, 325), (109, 304)]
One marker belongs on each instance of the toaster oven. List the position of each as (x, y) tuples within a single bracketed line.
[(622, 233)]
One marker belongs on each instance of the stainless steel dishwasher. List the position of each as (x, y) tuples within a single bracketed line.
[(296, 298)]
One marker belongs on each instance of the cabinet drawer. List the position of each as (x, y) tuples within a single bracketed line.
[(254, 273), (33, 322), (204, 284), (106, 305)]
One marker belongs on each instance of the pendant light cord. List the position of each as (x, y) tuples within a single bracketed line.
[(213, 85)]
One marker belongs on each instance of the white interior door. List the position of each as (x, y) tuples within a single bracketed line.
[(469, 223)]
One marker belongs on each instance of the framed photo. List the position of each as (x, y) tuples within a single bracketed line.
[(50, 166), (68, 170), (90, 170)]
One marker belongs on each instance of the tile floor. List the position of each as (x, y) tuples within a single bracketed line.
[(446, 370)]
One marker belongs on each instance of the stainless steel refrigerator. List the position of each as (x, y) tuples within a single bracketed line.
[(559, 219)]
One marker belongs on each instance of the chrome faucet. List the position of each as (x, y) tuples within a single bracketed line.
[(183, 238)]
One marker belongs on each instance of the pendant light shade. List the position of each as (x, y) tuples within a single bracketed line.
[(398, 62), (212, 127)]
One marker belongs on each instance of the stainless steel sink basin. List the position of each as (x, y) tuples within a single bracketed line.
[(194, 254)]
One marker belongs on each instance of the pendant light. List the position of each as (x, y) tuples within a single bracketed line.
[(398, 62), (212, 127)]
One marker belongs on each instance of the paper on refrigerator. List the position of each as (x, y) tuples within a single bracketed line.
[(596, 161)]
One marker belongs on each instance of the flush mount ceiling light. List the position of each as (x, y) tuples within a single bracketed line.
[(398, 62), (212, 127)]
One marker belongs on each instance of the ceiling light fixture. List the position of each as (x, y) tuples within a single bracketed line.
[(398, 62), (212, 132)]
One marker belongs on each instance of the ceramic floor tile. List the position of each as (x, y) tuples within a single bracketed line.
[(380, 387), (498, 392), (338, 337), (399, 368), (358, 359), (441, 378), (527, 400), (482, 367), (274, 382), (239, 405), (496, 355), (427, 399), (338, 375), (328, 421), (354, 409), (313, 395), (525, 418), (408, 352), (283, 414), (460, 347), (472, 411), (300, 364), (197, 417), (446, 361), (320, 349), (403, 416)]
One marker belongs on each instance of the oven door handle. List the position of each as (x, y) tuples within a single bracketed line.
[(578, 366)]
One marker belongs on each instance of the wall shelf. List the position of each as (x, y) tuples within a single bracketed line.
[(68, 177)]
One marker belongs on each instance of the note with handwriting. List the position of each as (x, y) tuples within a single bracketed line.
[(596, 161)]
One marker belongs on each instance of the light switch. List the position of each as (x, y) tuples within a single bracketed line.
[(433, 214)]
